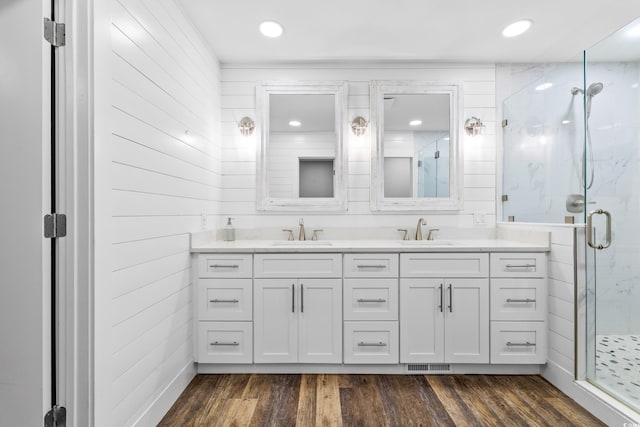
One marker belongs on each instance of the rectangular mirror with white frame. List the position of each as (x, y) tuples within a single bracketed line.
[(302, 153), (416, 154)]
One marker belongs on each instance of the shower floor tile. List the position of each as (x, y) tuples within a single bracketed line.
[(618, 365)]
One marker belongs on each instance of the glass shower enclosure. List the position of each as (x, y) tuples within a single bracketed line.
[(571, 153), (612, 191)]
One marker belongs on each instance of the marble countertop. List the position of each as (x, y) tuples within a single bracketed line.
[(204, 245)]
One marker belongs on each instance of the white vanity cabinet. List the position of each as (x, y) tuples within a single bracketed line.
[(224, 309), (518, 308), (444, 308), (371, 308), (376, 311), (297, 308)]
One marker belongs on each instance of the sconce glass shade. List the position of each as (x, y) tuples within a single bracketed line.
[(246, 126), (473, 126), (359, 126)]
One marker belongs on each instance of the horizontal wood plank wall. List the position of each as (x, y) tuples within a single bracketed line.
[(561, 299), (166, 174), (239, 158)]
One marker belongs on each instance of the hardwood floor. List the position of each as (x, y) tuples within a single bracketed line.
[(374, 400)]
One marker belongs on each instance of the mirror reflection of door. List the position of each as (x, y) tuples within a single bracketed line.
[(316, 178), (416, 145), (398, 172)]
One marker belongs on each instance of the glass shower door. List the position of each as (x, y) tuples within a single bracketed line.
[(612, 193)]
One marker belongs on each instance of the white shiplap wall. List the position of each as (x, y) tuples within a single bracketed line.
[(562, 285), (165, 176), (239, 158)]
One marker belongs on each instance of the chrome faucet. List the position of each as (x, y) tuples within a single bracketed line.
[(430, 234), (302, 236), (421, 222)]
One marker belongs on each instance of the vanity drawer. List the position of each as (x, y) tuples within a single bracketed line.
[(371, 342), (371, 265), (370, 299), (224, 265), (225, 342), (518, 265), (298, 265), (444, 265), (518, 343), (225, 299), (518, 299)]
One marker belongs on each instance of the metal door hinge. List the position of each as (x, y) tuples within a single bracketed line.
[(436, 155), (505, 123), (54, 33), (505, 197), (55, 225), (56, 417)]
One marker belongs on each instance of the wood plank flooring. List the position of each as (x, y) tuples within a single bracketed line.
[(374, 400)]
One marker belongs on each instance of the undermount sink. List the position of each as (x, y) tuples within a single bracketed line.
[(302, 243), (427, 242)]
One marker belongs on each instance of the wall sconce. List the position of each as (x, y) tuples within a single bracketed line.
[(359, 126), (473, 126), (246, 126)]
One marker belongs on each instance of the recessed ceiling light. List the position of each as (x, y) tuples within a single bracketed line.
[(517, 28), (271, 29), (415, 122), (294, 123), (634, 31), (544, 86), (566, 122)]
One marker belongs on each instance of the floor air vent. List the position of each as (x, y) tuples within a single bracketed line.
[(432, 368)]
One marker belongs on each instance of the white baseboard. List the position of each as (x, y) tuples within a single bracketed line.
[(607, 409), (390, 369), (159, 407)]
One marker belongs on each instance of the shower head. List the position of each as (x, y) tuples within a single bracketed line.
[(594, 89)]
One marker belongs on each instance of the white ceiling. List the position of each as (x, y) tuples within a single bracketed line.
[(406, 30)]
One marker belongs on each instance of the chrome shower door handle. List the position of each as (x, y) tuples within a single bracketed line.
[(607, 241)]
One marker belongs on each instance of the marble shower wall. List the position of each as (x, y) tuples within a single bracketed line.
[(542, 143)]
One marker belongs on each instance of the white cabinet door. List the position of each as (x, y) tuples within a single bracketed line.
[(275, 321), (466, 324), (320, 321), (421, 320)]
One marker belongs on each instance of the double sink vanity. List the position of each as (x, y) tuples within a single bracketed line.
[(392, 306)]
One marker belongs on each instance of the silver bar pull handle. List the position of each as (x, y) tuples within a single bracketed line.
[(301, 298), (520, 265), (234, 344), (293, 298), (224, 266), (520, 344), (371, 266), (372, 300), (371, 344), (607, 241), (441, 296), (520, 300), (450, 298), (224, 300)]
